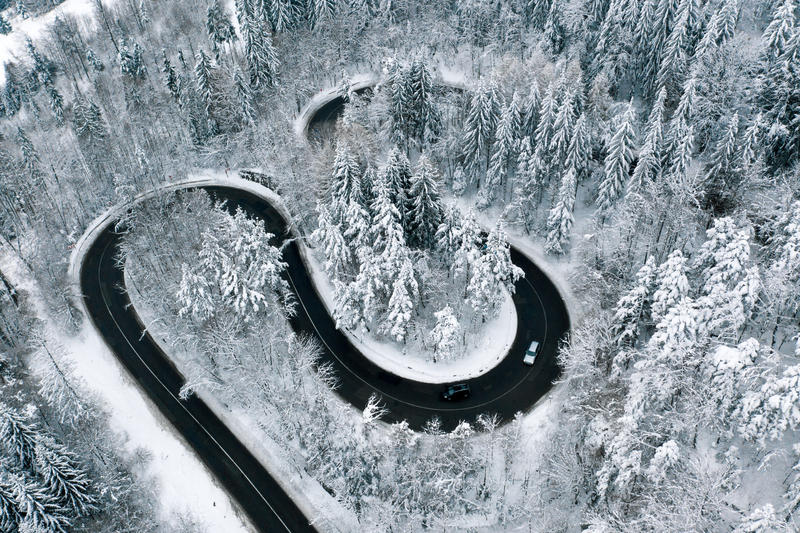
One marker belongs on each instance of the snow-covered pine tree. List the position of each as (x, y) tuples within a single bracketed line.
[(244, 97), (219, 26), (323, 10), (242, 10), (398, 82), (56, 102), (368, 180), (448, 234), (426, 120), (5, 27), (631, 306), (504, 154), (64, 480), (170, 77), (682, 117), (553, 33), (445, 334), (262, 58), (530, 110), (405, 294), (345, 184), (479, 130), (547, 117), (388, 238), (9, 510), (751, 143), (204, 81), (641, 32), (238, 260), (720, 175), (396, 177), (40, 511), (131, 62), (30, 158), (728, 18), (562, 129), (580, 148), (468, 249), (656, 39), (785, 243), (530, 180), (560, 219), (618, 161), (87, 120), (672, 67), (648, 167), (357, 232), (730, 282), (781, 28), (282, 14), (672, 285), (22, 10), (338, 258), (493, 273), (195, 295), (537, 11), (771, 410), (365, 298), (18, 436), (680, 157), (426, 207)]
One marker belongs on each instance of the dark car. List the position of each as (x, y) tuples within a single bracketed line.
[(459, 391)]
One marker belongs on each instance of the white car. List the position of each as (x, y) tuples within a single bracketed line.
[(530, 353)]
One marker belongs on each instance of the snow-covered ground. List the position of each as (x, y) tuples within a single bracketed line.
[(13, 44), (482, 353), (183, 483)]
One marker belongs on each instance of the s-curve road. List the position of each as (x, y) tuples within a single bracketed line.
[(506, 389)]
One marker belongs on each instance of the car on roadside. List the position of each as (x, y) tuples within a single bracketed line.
[(531, 353), (459, 391)]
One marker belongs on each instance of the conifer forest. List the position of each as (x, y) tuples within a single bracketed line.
[(395, 266)]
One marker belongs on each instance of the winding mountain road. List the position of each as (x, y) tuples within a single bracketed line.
[(506, 389)]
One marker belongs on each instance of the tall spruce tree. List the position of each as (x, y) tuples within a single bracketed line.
[(426, 208), (648, 167), (618, 161), (479, 130), (262, 58), (503, 151), (560, 219)]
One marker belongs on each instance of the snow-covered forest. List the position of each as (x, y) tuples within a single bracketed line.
[(645, 152)]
